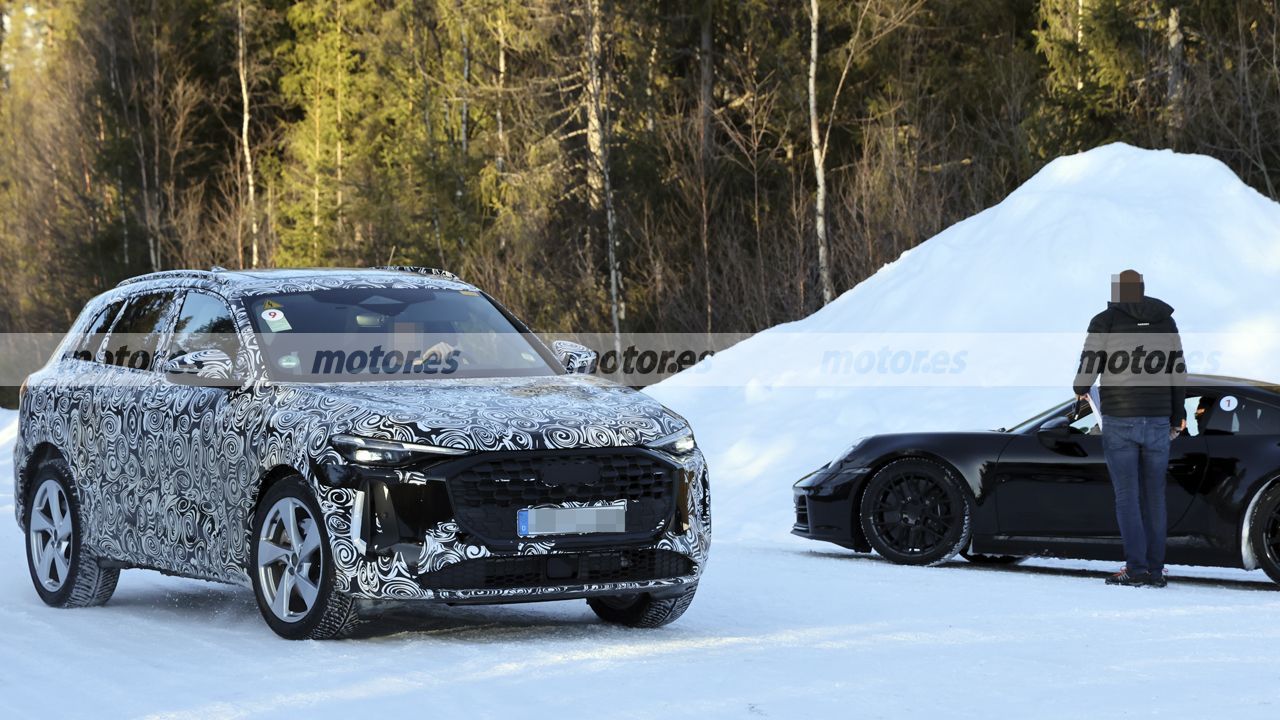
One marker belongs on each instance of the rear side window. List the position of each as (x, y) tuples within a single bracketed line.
[(204, 323), (136, 335), (1242, 415), (86, 347)]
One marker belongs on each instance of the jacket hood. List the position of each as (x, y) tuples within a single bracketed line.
[(1148, 310), (560, 411)]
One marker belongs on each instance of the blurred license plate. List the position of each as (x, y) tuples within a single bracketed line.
[(571, 521)]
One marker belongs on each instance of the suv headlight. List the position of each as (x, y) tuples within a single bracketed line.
[(368, 451), (678, 443)]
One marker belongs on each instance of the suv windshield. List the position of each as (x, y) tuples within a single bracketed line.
[(387, 334)]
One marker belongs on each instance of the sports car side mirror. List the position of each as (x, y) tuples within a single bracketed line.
[(1055, 429), (203, 368), (575, 358)]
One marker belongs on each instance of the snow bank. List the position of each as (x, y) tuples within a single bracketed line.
[(1038, 262)]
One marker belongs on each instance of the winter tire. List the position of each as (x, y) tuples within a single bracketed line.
[(292, 567), (915, 512), (64, 573), (643, 610), (1264, 532)]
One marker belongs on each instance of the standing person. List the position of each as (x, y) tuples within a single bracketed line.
[(1134, 346)]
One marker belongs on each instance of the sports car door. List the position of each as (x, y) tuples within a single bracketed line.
[(1056, 484)]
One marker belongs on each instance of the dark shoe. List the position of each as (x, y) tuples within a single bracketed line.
[(1157, 580), (1124, 578)]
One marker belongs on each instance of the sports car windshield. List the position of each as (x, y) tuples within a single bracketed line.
[(390, 334)]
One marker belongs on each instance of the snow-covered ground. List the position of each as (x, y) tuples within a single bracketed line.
[(781, 627)]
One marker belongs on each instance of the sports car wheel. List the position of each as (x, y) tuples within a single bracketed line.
[(641, 611), (64, 574), (1264, 532), (914, 512), (981, 559), (293, 567)]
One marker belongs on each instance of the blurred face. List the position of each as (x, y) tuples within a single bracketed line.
[(1123, 291)]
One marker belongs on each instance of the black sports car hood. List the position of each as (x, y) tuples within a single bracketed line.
[(562, 411)]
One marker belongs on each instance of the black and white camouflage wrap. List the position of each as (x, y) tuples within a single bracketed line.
[(168, 474)]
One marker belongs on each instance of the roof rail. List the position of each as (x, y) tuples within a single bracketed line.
[(419, 270), (169, 275)]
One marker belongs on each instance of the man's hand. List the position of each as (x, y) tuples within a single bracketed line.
[(1183, 426)]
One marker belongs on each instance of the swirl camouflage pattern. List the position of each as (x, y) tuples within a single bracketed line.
[(169, 475)]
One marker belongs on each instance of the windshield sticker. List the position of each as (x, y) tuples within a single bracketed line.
[(471, 293), (276, 320), (1229, 403), (271, 305)]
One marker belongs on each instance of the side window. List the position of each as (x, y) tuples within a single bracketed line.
[(1242, 415), (204, 323), (86, 347), (1087, 422), (136, 335), (1195, 416)]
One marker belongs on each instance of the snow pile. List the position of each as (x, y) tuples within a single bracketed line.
[(1038, 262)]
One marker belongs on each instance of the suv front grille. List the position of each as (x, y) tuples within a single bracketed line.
[(488, 493), (538, 571)]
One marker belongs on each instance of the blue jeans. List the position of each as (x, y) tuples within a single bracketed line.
[(1137, 453)]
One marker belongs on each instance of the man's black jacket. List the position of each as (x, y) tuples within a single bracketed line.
[(1136, 349)]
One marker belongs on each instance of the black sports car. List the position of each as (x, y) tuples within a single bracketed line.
[(1042, 488)]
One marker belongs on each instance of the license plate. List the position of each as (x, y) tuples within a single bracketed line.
[(531, 522)]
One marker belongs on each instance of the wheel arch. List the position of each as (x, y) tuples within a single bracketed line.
[(267, 480), (40, 453)]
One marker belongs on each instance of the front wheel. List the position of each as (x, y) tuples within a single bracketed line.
[(915, 512), (293, 567), (642, 610), (1264, 532), (65, 575)]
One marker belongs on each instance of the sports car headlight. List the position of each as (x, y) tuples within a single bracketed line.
[(678, 444), (369, 451)]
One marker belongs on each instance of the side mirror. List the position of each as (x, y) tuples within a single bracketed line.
[(576, 358), (203, 368), (1058, 427)]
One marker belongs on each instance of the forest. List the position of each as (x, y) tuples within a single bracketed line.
[(698, 166)]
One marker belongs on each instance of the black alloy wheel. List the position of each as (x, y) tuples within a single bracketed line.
[(915, 512)]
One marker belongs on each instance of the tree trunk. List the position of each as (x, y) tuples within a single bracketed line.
[(1177, 87), (242, 70), (599, 189), (704, 143), (819, 162), (501, 160), (705, 81)]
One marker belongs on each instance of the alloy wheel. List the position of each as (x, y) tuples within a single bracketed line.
[(51, 530), (913, 514), (290, 561)]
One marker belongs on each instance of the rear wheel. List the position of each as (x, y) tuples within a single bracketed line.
[(64, 574), (293, 567), (915, 512), (642, 610), (1264, 532)]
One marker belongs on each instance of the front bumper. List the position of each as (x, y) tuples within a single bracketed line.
[(395, 535), (825, 506)]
